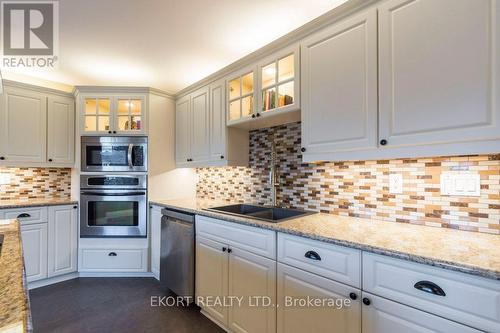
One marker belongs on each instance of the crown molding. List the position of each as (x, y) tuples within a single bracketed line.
[(22, 85), (290, 38), (120, 90)]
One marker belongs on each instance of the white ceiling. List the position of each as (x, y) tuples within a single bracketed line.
[(167, 44)]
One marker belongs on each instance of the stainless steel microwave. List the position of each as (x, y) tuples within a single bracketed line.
[(114, 153)]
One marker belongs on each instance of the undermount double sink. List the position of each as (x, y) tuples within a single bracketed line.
[(265, 213)]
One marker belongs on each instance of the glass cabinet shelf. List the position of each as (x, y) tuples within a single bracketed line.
[(278, 83)]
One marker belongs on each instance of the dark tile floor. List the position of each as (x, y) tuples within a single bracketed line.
[(111, 305)]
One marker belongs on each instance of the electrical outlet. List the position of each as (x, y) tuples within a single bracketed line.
[(395, 183), (461, 183), (4, 178)]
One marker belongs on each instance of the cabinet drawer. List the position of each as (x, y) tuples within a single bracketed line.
[(30, 215), (384, 316), (467, 299), (113, 260), (255, 240), (338, 263)]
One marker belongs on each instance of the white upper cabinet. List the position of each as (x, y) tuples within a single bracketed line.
[(183, 130), (439, 71), (23, 126), (60, 130), (279, 84), (241, 95), (102, 114), (339, 87), (267, 93), (218, 120), (200, 138), (130, 114)]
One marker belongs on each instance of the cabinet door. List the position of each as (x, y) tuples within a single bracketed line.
[(200, 125), (439, 73), (23, 121), (130, 115), (62, 240), (339, 87), (96, 115), (218, 120), (384, 316), (211, 276), (241, 95), (60, 130), (251, 275), (295, 285), (182, 130), (155, 223), (34, 240)]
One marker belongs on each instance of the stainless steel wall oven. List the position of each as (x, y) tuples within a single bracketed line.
[(113, 205)]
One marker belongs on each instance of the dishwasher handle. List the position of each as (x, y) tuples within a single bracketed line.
[(178, 215)]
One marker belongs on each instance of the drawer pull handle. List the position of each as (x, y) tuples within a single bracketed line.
[(312, 255), (429, 287), (112, 254), (23, 215)]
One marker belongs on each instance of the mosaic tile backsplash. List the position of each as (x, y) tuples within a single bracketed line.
[(36, 183), (358, 188)]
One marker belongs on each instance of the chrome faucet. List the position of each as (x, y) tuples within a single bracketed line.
[(273, 176)]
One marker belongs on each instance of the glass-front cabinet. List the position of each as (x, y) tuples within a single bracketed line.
[(241, 95), (279, 82), (267, 90), (105, 114)]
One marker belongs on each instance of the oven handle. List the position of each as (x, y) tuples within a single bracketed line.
[(113, 194), (129, 155)]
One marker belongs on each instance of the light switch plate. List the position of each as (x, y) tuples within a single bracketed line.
[(461, 183), (395, 183), (4, 178)]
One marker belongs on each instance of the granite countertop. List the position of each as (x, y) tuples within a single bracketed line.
[(22, 203), (14, 298), (463, 251)]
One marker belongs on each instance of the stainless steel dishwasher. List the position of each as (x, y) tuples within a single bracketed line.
[(177, 252)]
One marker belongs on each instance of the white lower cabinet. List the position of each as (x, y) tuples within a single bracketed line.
[(211, 277), (296, 287), (49, 240), (383, 316), (155, 227), (62, 240), (34, 240), (227, 273), (252, 278)]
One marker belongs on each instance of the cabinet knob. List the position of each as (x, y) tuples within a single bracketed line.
[(114, 132), (50, 160), (75, 207), (2, 158), (224, 249), (253, 116), (112, 254), (110, 132), (221, 157), (366, 301), (353, 296), (229, 250), (383, 142), (258, 114), (303, 149)]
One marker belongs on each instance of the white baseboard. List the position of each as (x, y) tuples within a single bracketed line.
[(116, 274), (56, 279)]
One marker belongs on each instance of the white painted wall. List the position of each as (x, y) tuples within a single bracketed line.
[(165, 181)]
